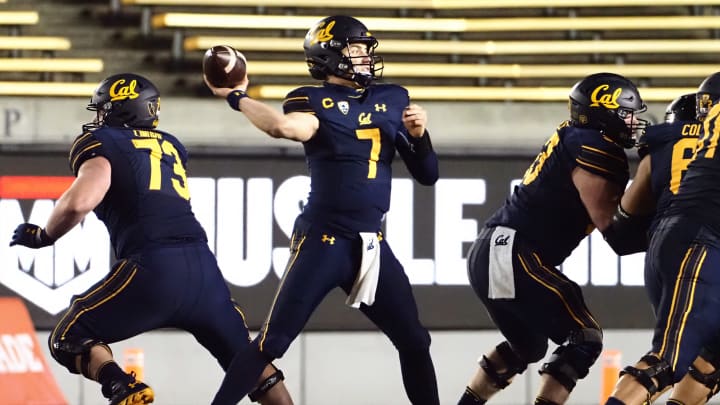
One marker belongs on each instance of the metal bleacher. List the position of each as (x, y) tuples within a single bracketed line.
[(31, 66), (459, 49), (441, 49)]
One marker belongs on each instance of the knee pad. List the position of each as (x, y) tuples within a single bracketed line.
[(710, 380), (65, 352), (572, 361), (266, 385), (513, 365), (659, 369)]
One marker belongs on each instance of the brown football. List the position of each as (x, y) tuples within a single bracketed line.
[(224, 66)]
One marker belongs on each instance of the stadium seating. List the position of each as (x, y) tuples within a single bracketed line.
[(422, 4), (58, 76), (481, 45)]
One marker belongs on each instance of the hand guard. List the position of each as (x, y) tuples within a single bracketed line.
[(31, 235)]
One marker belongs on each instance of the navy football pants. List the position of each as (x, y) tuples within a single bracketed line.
[(547, 304), (320, 260), (683, 282), (316, 267), (165, 287)]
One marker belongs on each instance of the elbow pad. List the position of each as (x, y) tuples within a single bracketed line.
[(627, 233)]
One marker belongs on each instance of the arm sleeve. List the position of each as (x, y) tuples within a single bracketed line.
[(86, 146), (419, 157)]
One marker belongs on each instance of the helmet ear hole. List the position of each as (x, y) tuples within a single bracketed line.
[(708, 95)]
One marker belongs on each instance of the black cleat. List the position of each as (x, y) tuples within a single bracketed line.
[(133, 393)]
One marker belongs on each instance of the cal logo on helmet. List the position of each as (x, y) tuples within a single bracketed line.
[(602, 97), (120, 92), (321, 34)]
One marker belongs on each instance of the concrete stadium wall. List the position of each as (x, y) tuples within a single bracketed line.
[(351, 368)]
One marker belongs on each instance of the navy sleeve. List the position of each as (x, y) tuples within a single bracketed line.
[(298, 100), (596, 153), (85, 147), (419, 157)]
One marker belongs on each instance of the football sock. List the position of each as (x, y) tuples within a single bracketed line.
[(241, 376), (543, 401), (469, 397), (109, 373)]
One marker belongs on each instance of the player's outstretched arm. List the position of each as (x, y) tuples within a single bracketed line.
[(294, 126), (85, 193)]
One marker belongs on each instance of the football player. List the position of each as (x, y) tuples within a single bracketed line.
[(351, 129), (667, 152), (133, 177), (572, 187)]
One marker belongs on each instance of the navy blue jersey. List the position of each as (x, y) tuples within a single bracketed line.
[(148, 200), (699, 192), (671, 148), (350, 156), (546, 208)]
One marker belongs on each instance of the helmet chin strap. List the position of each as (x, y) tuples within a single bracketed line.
[(362, 79)]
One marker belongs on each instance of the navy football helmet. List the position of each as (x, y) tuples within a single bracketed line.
[(125, 100), (324, 45), (707, 95), (681, 109), (603, 101)]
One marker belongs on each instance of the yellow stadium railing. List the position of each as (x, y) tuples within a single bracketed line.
[(51, 65), (428, 93), (47, 89), (34, 43), (516, 24), (425, 4), (19, 17), (509, 71), (608, 46)]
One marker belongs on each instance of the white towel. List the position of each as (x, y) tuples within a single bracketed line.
[(365, 286), (502, 279)]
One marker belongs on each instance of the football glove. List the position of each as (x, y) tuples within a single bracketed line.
[(31, 235)]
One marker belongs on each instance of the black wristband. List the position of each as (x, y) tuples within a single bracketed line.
[(234, 97), (43, 239), (421, 146)]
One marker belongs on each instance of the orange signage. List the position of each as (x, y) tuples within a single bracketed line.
[(25, 377)]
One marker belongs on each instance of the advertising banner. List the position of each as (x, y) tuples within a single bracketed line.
[(247, 205)]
